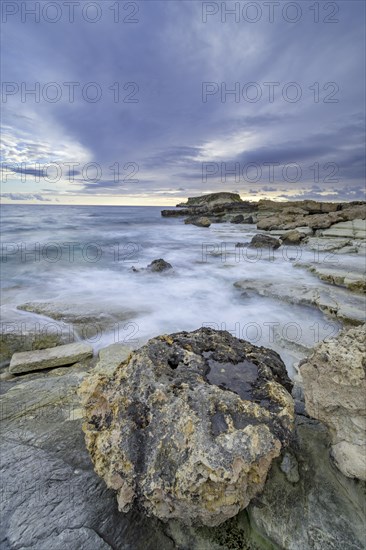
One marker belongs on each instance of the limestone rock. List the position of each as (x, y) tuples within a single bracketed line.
[(69, 354), (355, 229), (334, 378), (264, 241), (212, 199), (292, 237), (23, 335), (306, 502), (331, 300), (88, 319), (188, 426)]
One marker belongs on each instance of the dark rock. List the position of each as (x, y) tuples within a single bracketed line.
[(264, 241), (157, 266), (239, 218)]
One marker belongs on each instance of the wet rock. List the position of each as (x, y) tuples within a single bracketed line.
[(333, 301), (86, 319), (239, 218), (59, 356), (23, 335), (334, 378), (199, 222), (322, 510), (157, 266), (351, 277), (188, 426), (264, 241), (51, 497)]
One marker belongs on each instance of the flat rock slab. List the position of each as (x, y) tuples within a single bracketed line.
[(48, 358)]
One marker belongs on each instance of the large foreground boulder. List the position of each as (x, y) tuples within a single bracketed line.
[(187, 427), (335, 392)]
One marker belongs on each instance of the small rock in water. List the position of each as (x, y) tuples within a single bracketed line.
[(187, 427), (200, 222), (157, 266), (59, 356), (264, 241)]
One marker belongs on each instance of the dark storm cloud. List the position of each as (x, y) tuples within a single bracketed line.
[(165, 57)]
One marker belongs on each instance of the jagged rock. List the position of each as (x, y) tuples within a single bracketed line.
[(200, 222), (188, 426), (157, 266), (293, 237), (331, 300), (69, 354), (334, 378), (264, 241)]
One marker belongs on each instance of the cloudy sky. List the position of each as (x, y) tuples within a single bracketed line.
[(149, 102)]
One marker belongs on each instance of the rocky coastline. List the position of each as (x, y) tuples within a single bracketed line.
[(197, 440)]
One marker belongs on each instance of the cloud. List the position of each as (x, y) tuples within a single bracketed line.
[(170, 131), (24, 197)]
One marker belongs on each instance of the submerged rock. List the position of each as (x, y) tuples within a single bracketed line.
[(59, 356), (334, 378), (157, 266), (187, 427)]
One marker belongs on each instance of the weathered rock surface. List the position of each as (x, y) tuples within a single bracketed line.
[(355, 229), (69, 354), (188, 426), (202, 221), (334, 378), (50, 496), (352, 277), (212, 199), (264, 241), (306, 502), (293, 237), (334, 301), (157, 266)]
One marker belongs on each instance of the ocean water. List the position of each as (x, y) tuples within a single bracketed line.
[(80, 258)]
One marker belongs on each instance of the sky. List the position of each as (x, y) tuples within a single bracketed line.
[(150, 102)]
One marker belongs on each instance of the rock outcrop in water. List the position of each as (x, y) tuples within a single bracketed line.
[(334, 378), (187, 427)]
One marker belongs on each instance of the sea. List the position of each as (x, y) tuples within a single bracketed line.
[(90, 261)]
